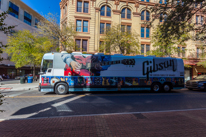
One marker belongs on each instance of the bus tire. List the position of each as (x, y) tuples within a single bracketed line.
[(61, 88), (167, 87), (156, 87)]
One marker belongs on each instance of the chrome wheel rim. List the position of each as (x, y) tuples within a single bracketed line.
[(166, 88), (156, 88), (61, 89)]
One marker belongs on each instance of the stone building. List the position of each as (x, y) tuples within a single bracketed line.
[(93, 16), (22, 17)]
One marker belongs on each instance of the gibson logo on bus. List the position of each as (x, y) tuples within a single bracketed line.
[(159, 64)]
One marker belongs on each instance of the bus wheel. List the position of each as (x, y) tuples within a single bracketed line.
[(61, 88), (167, 88), (156, 87)]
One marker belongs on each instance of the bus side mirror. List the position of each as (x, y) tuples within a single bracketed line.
[(41, 73)]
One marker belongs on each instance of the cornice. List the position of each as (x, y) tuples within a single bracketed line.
[(82, 17), (62, 3), (97, 9), (83, 37)]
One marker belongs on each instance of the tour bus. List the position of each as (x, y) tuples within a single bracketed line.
[(71, 72)]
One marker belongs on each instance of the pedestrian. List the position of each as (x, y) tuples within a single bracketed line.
[(4, 76), (1, 79)]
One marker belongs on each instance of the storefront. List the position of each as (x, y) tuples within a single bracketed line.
[(11, 72), (192, 70)]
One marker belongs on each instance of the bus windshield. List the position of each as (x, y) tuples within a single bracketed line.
[(46, 64)]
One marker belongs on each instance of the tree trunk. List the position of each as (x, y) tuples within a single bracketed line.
[(34, 72)]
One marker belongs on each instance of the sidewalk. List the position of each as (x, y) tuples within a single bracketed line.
[(158, 124), (18, 86)]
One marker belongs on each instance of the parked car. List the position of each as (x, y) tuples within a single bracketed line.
[(196, 83)]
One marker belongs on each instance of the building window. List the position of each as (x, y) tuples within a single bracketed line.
[(202, 20), (13, 10), (143, 47), (160, 1), (178, 50), (83, 6), (145, 15), (104, 27), (105, 11), (36, 22), (27, 18), (198, 52), (143, 34), (197, 20), (126, 28), (147, 48), (0, 4), (183, 52), (80, 23), (126, 13), (81, 45), (163, 17)]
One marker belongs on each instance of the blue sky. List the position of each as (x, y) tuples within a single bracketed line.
[(44, 7)]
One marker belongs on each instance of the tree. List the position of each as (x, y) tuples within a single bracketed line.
[(64, 36), (6, 29), (164, 46), (179, 18), (3, 28), (26, 48), (117, 39)]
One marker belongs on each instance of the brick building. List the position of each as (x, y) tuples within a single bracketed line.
[(92, 17)]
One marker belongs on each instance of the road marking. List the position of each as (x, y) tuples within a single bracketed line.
[(67, 101), (60, 106), (19, 93), (43, 96)]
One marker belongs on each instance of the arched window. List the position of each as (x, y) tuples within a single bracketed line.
[(126, 13), (163, 17), (105, 11), (145, 15)]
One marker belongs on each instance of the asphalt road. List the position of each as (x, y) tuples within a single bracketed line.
[(33, 104)]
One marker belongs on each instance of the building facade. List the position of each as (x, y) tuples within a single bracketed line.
[(22, 17), (92, 17)]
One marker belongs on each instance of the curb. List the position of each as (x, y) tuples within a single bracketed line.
[(11, 89)]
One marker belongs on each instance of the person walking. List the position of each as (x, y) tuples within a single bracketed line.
[(1, 79)]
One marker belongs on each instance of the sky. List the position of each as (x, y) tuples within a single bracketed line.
[(44, 7)]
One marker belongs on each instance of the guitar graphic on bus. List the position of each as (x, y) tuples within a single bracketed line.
[(80, 65)]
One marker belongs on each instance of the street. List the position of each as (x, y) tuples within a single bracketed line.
[(33, 104), (103, 114)]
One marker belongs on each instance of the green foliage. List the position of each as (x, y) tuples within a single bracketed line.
[(118, 41), (64, 35), (26, 48), (179, 17), (164, 46), (187, 66)]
